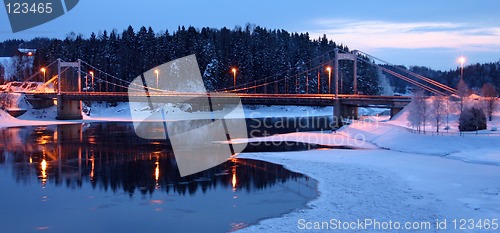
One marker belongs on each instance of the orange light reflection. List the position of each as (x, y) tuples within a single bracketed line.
[(92, 168), (157, 171), (44, 166), (234, 180)]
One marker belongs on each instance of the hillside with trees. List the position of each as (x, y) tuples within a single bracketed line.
[(258, 53)]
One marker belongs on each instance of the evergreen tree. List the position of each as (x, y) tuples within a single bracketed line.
[(472, 119)]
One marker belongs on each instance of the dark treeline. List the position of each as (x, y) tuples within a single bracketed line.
[(256, 52)]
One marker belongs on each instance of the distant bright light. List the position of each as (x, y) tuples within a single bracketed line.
[(461, 60), (157, 71), (91, 73), (328, 68), (233, 70), (30, 54), (43, 70)]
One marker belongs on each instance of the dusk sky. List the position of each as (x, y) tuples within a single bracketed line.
[(427, 33)]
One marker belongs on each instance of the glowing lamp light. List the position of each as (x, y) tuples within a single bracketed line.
[(234, 76), (461, 60)]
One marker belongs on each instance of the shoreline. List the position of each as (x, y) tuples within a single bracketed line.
[(391, 185)]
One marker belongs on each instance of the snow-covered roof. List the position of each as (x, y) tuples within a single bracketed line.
[(26, 50)]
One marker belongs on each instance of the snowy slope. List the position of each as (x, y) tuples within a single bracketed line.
[(414, 178), (401, 119)]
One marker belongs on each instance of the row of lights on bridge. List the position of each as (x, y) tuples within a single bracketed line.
[(44, 71), (461, 60)]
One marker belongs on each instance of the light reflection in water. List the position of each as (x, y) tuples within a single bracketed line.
[(233, 181), (157, 173), (92, 167), (117, 163)]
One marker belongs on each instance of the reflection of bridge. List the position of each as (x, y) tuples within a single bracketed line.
[(109, 154), (97, 85)]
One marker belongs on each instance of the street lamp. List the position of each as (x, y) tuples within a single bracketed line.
[(461, 60), (234, 76), (92, 74), (157, 72), (329, 69), (43, 70)]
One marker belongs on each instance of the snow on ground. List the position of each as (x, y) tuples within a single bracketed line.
[(387, 185), (400, 139), (262, 111), (121, 112), (451, 120), (321, 138), (410, 180)]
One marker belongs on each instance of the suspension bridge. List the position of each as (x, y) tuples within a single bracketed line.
[(79, 81)]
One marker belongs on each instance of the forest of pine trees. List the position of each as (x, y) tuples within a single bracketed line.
[(256, 52)]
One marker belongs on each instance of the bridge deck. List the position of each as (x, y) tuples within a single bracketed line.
[(257, 99)]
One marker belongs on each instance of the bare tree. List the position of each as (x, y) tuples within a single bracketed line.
[(418, 111), (438, 111), (448, 110), (489, 94), (463, 92)]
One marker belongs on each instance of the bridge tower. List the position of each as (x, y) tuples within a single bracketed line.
[(343, 111), (68, 82)]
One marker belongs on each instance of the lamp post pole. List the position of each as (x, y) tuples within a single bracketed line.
[(329, 69), (234, 77)]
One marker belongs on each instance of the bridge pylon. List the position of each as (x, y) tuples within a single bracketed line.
[(342, 111), (68, 82)]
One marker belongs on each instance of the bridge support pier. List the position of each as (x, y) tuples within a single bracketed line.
[(69, 109), (344, 112), (395, 110)]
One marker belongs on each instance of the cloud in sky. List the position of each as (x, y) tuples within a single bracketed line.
[(372, 35)]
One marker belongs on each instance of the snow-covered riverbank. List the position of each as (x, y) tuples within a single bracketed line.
[(122, 113), (414, 179)]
